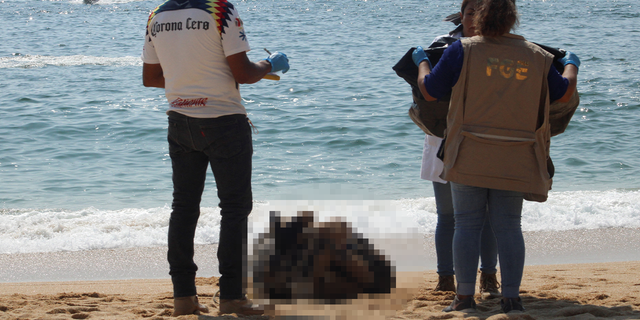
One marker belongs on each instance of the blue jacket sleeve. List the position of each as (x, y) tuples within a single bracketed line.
[(446, 72), (557, 84)]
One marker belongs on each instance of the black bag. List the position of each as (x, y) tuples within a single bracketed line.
[(430, 116), (328, 262)]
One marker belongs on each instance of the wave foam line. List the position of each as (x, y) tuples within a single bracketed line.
[(570, 210), (50, 230), (26, 231), (38, 61), (105, 2)]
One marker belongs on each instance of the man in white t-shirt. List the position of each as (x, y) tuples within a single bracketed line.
[(196, 51)]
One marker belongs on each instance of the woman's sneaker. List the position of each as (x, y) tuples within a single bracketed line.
[(446, 283), (466, 305), (512, 305), (489, 286)]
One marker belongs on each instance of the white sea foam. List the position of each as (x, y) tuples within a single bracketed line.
[(38, 61), (106, 2), (91, 228), (570, 210)]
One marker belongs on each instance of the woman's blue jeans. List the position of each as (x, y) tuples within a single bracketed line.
[(472, 205), (225, 144), (444, 235)]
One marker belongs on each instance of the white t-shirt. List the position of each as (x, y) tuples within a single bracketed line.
[(432, 166), (191, 45)]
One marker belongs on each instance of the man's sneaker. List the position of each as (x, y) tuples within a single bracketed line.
[(511, 305), (466, 305), (489, 286), (242, 306), (446, 283)]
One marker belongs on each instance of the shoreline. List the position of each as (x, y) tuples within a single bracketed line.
[(408, 255)]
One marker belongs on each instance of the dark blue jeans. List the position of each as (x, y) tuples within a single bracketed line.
[(225, 144)]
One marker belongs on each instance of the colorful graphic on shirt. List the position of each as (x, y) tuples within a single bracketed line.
[(219, 9), (239, 24), (151, 15)]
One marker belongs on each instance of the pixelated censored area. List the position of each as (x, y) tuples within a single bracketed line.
[(298, 258)]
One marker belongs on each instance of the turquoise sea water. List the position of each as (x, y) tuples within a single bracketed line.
[(82, 142)]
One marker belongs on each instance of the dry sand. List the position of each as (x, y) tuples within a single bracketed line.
[(569, 291)]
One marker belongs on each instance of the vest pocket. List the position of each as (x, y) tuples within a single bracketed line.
[(496, 159)]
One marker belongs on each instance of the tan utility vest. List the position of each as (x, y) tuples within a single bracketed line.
[(498, 122)]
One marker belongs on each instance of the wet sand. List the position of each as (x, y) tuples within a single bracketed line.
[(568, 291)]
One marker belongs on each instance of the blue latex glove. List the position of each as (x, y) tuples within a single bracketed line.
[(279, 62), (570, 58), (419, 55)]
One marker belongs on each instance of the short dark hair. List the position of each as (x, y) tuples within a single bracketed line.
[(465, 3), (494, 18)]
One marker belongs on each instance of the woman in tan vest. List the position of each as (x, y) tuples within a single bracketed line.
[(497, 139), (432, 167)]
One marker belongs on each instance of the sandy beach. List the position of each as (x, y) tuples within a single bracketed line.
[(579, 274), (567, 291)]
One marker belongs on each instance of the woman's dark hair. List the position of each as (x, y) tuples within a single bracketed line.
[(465, 3), (494, 18)]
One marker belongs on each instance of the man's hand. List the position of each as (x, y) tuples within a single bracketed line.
[(245, 71), (279, 62)]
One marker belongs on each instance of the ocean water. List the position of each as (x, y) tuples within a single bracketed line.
[(83, 154)]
